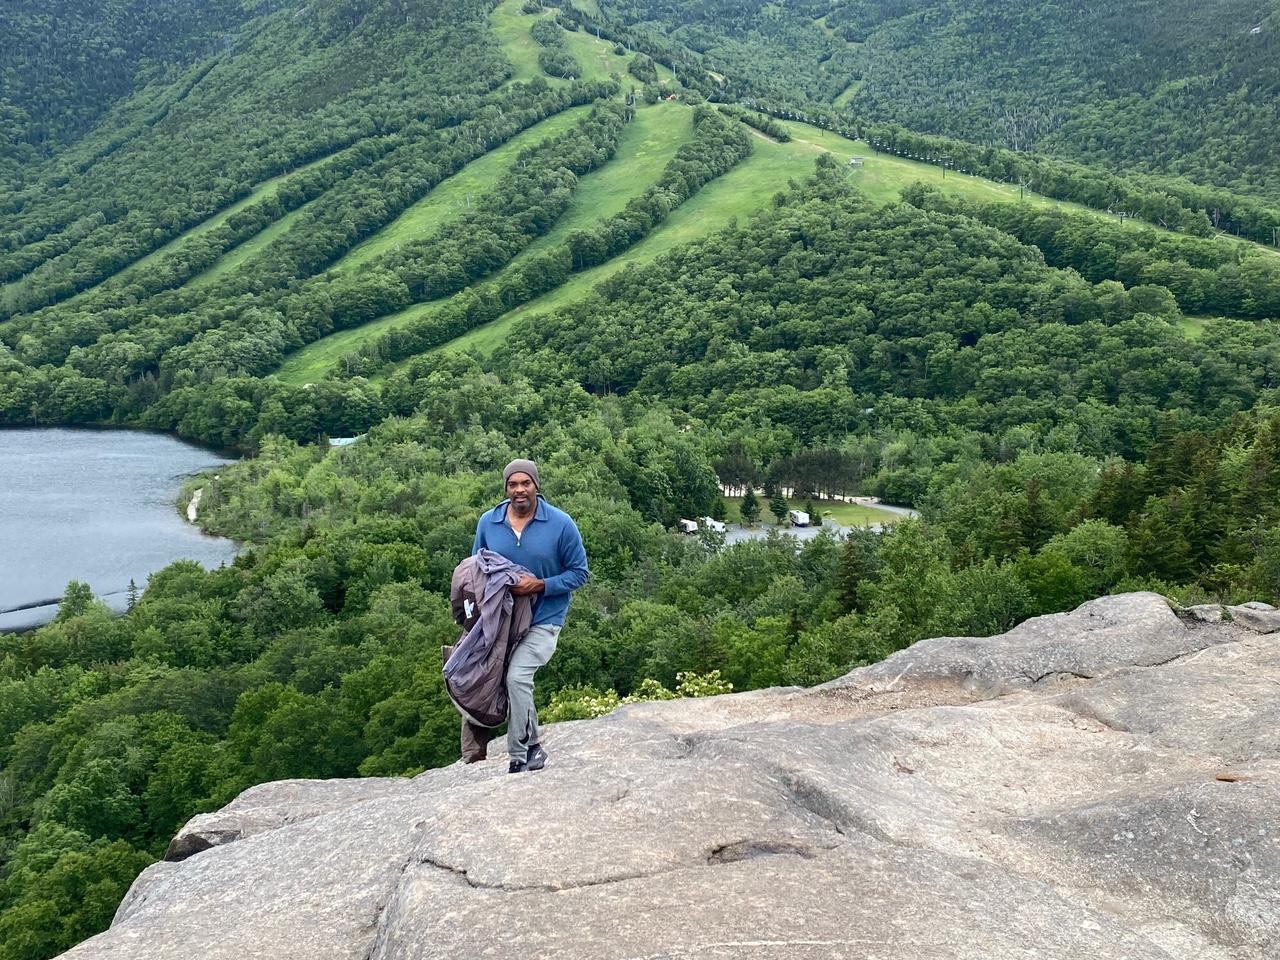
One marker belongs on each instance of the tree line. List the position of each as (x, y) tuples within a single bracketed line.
[(1167, 202), (1062, 438), (715, 148), (362, 187), (554, 58), (524, 204), (314, 654), (1174, 204), (762, 122), (1203, 275), (126, 343), (231, 132)]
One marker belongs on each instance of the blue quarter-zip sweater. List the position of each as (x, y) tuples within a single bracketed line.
[(549, 546)]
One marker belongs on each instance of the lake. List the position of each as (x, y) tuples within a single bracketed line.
[(97, 506)]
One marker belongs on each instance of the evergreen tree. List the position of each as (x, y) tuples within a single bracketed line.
[(750, 506), (718, 511), (1036, 519), (1006, 533), (1259, 489), (815, 517), (1118, 494), (778, 505), (850, 574), (1157, 546), (795, 627), (1201, 506)]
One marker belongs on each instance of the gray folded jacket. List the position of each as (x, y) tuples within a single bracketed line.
[(495, 620)]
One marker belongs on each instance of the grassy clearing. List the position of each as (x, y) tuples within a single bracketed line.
[(741, 192), (1193, 327), (511, 27), (315, 360), (882, 178), (855, 514), (645, 147), (449, 199), (598, 61), (248, 250), (596, 57), (846, 95), (268, 188), (833, 511)]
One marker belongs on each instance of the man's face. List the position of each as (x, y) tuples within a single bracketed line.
[(521, 490)]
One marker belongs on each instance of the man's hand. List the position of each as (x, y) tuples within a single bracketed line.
[(527, 586)]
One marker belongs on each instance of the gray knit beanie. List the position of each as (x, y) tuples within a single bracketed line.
[(521, 466)]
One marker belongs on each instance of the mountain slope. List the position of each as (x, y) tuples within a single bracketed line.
[(67, 62), (1178, 88), (289, 91)]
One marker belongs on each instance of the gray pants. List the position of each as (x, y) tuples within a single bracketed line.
[(522, 718)]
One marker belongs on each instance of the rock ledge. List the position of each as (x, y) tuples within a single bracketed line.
[(1098, 784)]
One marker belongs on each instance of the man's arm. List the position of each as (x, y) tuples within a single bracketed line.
[(479, 540), (573, 563)]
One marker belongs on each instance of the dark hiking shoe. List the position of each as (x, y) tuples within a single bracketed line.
[(517, 766), (537, 757)]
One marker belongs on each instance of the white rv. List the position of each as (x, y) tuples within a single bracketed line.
[(688, 526), (713, 524), (799, 518)]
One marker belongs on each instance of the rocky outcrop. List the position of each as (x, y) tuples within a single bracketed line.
[(271, 806), (1260, 617), (1100, 784)]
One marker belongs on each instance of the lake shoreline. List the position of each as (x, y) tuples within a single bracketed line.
[(227, 453), (96, 504)]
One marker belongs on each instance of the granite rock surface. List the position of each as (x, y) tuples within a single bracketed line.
[(1099, 784)]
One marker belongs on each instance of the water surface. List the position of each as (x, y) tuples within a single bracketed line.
[(97, 506)]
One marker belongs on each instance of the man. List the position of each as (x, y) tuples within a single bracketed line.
[(527, 530)]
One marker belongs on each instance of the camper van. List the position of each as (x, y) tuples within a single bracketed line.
[(713, 524), (799, 518), (688, 526)]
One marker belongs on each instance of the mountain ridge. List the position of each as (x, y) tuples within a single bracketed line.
[(1173, 88)]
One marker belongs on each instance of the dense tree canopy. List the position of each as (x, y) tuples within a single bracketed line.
[(67, 62), (1177, 88), (292, 92)]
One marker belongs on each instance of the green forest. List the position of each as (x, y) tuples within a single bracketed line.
[(666, 250), (1182, 89), (66, 63)]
